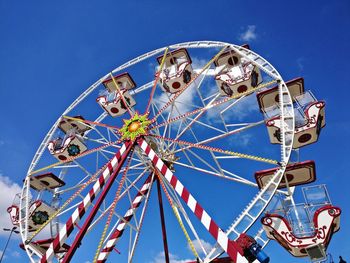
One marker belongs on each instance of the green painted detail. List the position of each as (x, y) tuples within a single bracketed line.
[(73, 150), (40, 217), (142, 123)]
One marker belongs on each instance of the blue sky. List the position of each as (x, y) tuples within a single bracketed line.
[(50, 53)]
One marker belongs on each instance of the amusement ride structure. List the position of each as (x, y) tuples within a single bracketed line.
[(211, 126)]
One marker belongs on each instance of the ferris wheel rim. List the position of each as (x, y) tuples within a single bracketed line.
[(199, 44)]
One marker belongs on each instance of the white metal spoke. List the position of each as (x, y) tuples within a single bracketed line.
[(224, 135), (233, 177)]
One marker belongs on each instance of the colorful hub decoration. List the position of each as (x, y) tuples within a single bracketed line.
[(134, 127)]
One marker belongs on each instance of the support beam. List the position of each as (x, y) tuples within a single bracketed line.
[(162, 219), (234, 251), (140, 196), (82, 231), (110, 172)]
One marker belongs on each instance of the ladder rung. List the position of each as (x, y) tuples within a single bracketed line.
[(262, 199), (249, 215)]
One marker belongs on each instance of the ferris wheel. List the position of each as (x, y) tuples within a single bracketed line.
[(191, 122)]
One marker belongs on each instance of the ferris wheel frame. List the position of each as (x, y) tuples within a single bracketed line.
[(265, 195)]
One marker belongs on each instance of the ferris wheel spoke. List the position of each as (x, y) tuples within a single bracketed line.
[(99, 119), (173, 108), (136, 166), (215, 94), (104, 153), (110, 172), (168, 125), (178, 102), (198, 157), (61, 167), (232, 177), (85, 122), (211, 127), (101, 140), (81, 167)]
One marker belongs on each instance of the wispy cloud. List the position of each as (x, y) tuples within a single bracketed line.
[(300, 63), (185, 101), (15, 254), (183, 104), (241, 139), (206, 245), (249, 34), (241, 111), (159, 258), (198, 63), (8, 191)]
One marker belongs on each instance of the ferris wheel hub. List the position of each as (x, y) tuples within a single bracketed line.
[(135, 126)]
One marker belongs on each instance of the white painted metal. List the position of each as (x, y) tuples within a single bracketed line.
[(265, 195)]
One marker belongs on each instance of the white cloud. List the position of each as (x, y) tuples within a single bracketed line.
[(8, 191), (198, 63), (241, 139), (206, 245), (244, 108), (1, 251), (159, 258), (241, 111), (300, 63), (172, 257), (12, 253), (249, 34), (15, 254), (184, 103)]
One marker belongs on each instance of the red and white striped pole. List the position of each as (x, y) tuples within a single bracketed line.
[(127, 217), (111, 171), (234, 251)]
